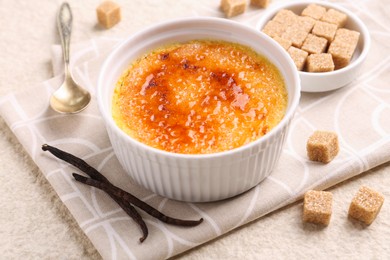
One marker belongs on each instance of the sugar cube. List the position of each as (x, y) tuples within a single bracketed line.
[(306, 23), (347, 36), (295, 34), (317, 207), (314, 44), (325, 30), (366, 205), (341, 52), (283, 42), (299, 57), (273, 28), (322, 146), (321, 62), (285, 17), (314, 11), (233, 7), (335, 17), (108, 14)]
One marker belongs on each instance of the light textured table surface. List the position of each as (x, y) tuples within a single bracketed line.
[(35, 224)]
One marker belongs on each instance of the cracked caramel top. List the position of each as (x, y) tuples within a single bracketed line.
[(199, 97)]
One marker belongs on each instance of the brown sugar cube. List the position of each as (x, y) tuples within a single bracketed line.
[(260, 3), (366, 205), (314, 11), (341, 53), (285, 17), (283, 42), (295, 34), (335, 17), (317, 207), (326, 30), (322, 146), (347, 36), (233, 7), (321, 62), (306, 23), (108, 14), (299, 57), (344, 46), (273, 28), (314, 44)]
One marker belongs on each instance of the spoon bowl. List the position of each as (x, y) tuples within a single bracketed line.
[(70, 97)]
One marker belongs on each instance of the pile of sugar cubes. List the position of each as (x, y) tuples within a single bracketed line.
[(235, 7), (364, 207), (323, 146), (315, 39)]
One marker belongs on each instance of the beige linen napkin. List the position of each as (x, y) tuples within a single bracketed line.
[(358, 113)]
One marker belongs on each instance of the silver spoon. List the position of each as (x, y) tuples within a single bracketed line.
[(70, 97)]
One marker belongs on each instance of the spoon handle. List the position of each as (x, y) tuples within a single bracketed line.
[(64, 24)]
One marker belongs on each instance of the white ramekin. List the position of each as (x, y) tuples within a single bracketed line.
[(326, 81), (204, 177)]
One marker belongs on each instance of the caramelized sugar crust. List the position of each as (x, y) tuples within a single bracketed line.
[(199, 97)]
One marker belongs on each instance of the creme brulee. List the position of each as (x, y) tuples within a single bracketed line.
[(199, 97)]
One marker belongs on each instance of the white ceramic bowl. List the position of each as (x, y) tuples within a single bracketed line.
[(206, 177), (326, 81)]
